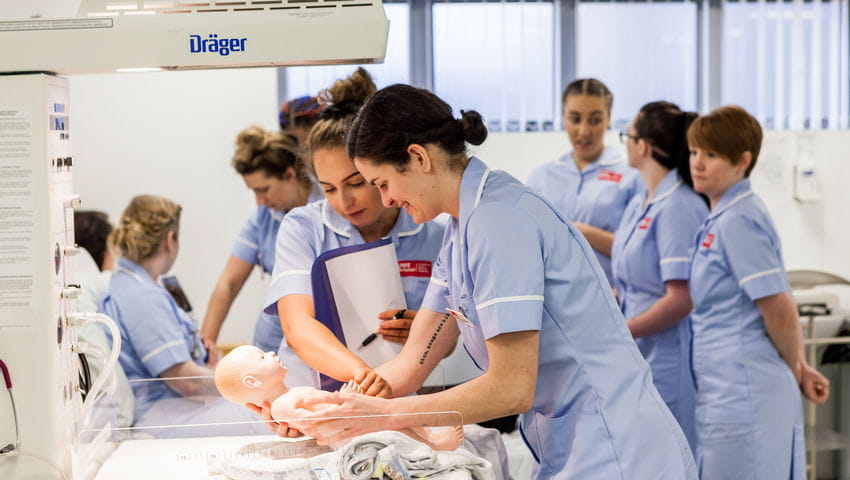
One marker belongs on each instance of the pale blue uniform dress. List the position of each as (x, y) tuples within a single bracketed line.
[(510, 263), (156, 334), (597, 195), (651, 246), (255, 245), (749, 412), (309, 231)]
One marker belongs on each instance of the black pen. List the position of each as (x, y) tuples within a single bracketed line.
[(371, 338)]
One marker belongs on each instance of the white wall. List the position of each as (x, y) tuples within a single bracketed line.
[(172, 134)]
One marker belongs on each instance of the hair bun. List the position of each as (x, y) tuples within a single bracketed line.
[(472, 123), (254, 138)]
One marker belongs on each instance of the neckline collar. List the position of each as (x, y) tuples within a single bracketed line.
[(134, 270), (607, 158), (737, 192), (404, 225), (668, 185), (472, 187)]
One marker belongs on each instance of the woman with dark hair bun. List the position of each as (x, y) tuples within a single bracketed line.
[(650, 258), (523, 288), (350, 214)]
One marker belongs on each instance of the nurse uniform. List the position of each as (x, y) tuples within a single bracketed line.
[(255, 245), (652, 246), (749, 412), (597, 195), (510, 263), (156, 334), (311, 230)]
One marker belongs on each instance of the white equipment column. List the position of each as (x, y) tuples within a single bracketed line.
[(36, 278)]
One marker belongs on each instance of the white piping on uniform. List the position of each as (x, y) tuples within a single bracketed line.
[(667, 193), (481, 187), (161, 348), (412, 232), (289, 273), (439, 282), (131, 273), (758, 275), (674, 260), (247, 243), (518, 298), (328, 223), (733, 202)]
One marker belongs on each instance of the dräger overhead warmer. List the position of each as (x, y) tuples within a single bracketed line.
[(38, 315), (133, 35)]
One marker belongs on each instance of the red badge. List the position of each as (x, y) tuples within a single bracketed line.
[(706, 242), (644, 224), (415, 268), (609, 176)]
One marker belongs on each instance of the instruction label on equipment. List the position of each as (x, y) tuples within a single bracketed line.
[(55, 24), (17, 219)]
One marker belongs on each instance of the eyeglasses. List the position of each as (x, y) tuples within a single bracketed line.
[(625, 136)]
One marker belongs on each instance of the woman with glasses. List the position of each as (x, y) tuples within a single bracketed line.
[(650, 257), (591, 185)]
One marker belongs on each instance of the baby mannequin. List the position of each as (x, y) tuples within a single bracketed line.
[(249, 376)]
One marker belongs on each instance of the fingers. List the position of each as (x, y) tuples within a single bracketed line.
[(396, 330)]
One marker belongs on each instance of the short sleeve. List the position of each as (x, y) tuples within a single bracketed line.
[(505, 257), (438, 285), (674, 232), (155, 332), (754, 257), (295, 252), (247, 245)]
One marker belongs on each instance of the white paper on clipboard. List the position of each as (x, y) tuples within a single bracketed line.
[(365, 283)]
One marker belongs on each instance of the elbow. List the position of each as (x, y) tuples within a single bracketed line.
[(520, 402)]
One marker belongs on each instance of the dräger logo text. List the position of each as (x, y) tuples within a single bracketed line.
[(213, 44)]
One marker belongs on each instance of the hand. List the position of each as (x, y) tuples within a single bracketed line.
[(395, 324), (341, 407), (371, 383), (814, 385), (212, 351), (280, 428)]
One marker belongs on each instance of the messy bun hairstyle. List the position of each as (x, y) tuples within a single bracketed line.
[(144, 225), (343, 100), (400, 115), (270, 152)]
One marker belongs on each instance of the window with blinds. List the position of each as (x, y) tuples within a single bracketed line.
[(786, 61)]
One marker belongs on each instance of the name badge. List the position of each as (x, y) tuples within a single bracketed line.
[(459, 315)]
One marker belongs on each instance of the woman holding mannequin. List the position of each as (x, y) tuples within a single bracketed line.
[(522, 287), (351, 214)]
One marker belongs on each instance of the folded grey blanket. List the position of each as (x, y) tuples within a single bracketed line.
[(358, 460)]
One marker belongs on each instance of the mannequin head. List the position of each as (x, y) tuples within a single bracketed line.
[(247, 375)]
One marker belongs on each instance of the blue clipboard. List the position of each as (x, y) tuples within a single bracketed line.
[(324, 303)]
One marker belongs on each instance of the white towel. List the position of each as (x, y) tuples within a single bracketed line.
[(357, 460)]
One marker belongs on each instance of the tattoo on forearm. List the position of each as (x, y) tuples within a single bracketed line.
[(433, 339)]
